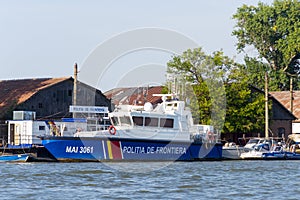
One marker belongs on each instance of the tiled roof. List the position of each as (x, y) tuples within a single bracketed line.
[(17, 91), (134, 95), (284, 98)]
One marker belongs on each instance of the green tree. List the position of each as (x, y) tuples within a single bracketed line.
[(273, 30), (219, 86), (190, 68), (245, 107), (255, 71)]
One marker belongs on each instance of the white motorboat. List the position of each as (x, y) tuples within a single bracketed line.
[(232, 151), (257, 151)]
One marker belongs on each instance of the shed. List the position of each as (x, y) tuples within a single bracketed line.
[(49, 98)]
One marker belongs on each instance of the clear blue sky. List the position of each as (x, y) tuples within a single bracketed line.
[(45, 38)]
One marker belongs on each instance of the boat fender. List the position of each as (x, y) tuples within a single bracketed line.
[(211, 136), (112, 130)]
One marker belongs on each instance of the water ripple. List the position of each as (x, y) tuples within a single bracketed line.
[(180, 180)]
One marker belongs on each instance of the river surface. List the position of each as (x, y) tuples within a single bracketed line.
[(152, 180)]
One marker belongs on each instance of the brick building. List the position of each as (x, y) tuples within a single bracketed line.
[(50, 98), (291, 102)]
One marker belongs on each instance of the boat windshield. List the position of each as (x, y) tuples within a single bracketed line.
[(125, 120), (262, 141), (253, 141), (115, 121), (262, 147), (277, 148), (266, 147)]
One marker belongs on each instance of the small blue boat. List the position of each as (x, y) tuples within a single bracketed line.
[(14, 158), (278, 153)]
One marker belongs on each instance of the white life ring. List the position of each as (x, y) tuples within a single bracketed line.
[(112, 130)]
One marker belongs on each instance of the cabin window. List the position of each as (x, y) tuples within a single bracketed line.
[(150, 121), (115, 121), (201, 128), (41, 128), (137, 121), (125, 120), (166, 123)]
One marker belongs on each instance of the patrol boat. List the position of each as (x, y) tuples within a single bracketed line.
[(142, 133)]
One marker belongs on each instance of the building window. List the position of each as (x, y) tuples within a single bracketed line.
[(41, 128), (281, 131), (70, 93), (40, 105)]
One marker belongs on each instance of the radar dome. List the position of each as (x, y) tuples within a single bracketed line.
[(148, 106)]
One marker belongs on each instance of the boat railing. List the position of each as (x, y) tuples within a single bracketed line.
[(206, 137), (97, 127)]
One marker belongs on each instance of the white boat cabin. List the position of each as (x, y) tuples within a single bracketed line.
[(22, 132), (169, 120), (24, 129)]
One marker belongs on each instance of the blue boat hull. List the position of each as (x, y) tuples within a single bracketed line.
[(14, 158), (112, 149), (281, 156)]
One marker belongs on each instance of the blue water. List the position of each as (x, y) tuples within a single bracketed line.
[(152, 180)]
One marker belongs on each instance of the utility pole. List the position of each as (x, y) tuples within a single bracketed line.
[(291, 91), (75, 88), (291, 94), (266, 107)]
